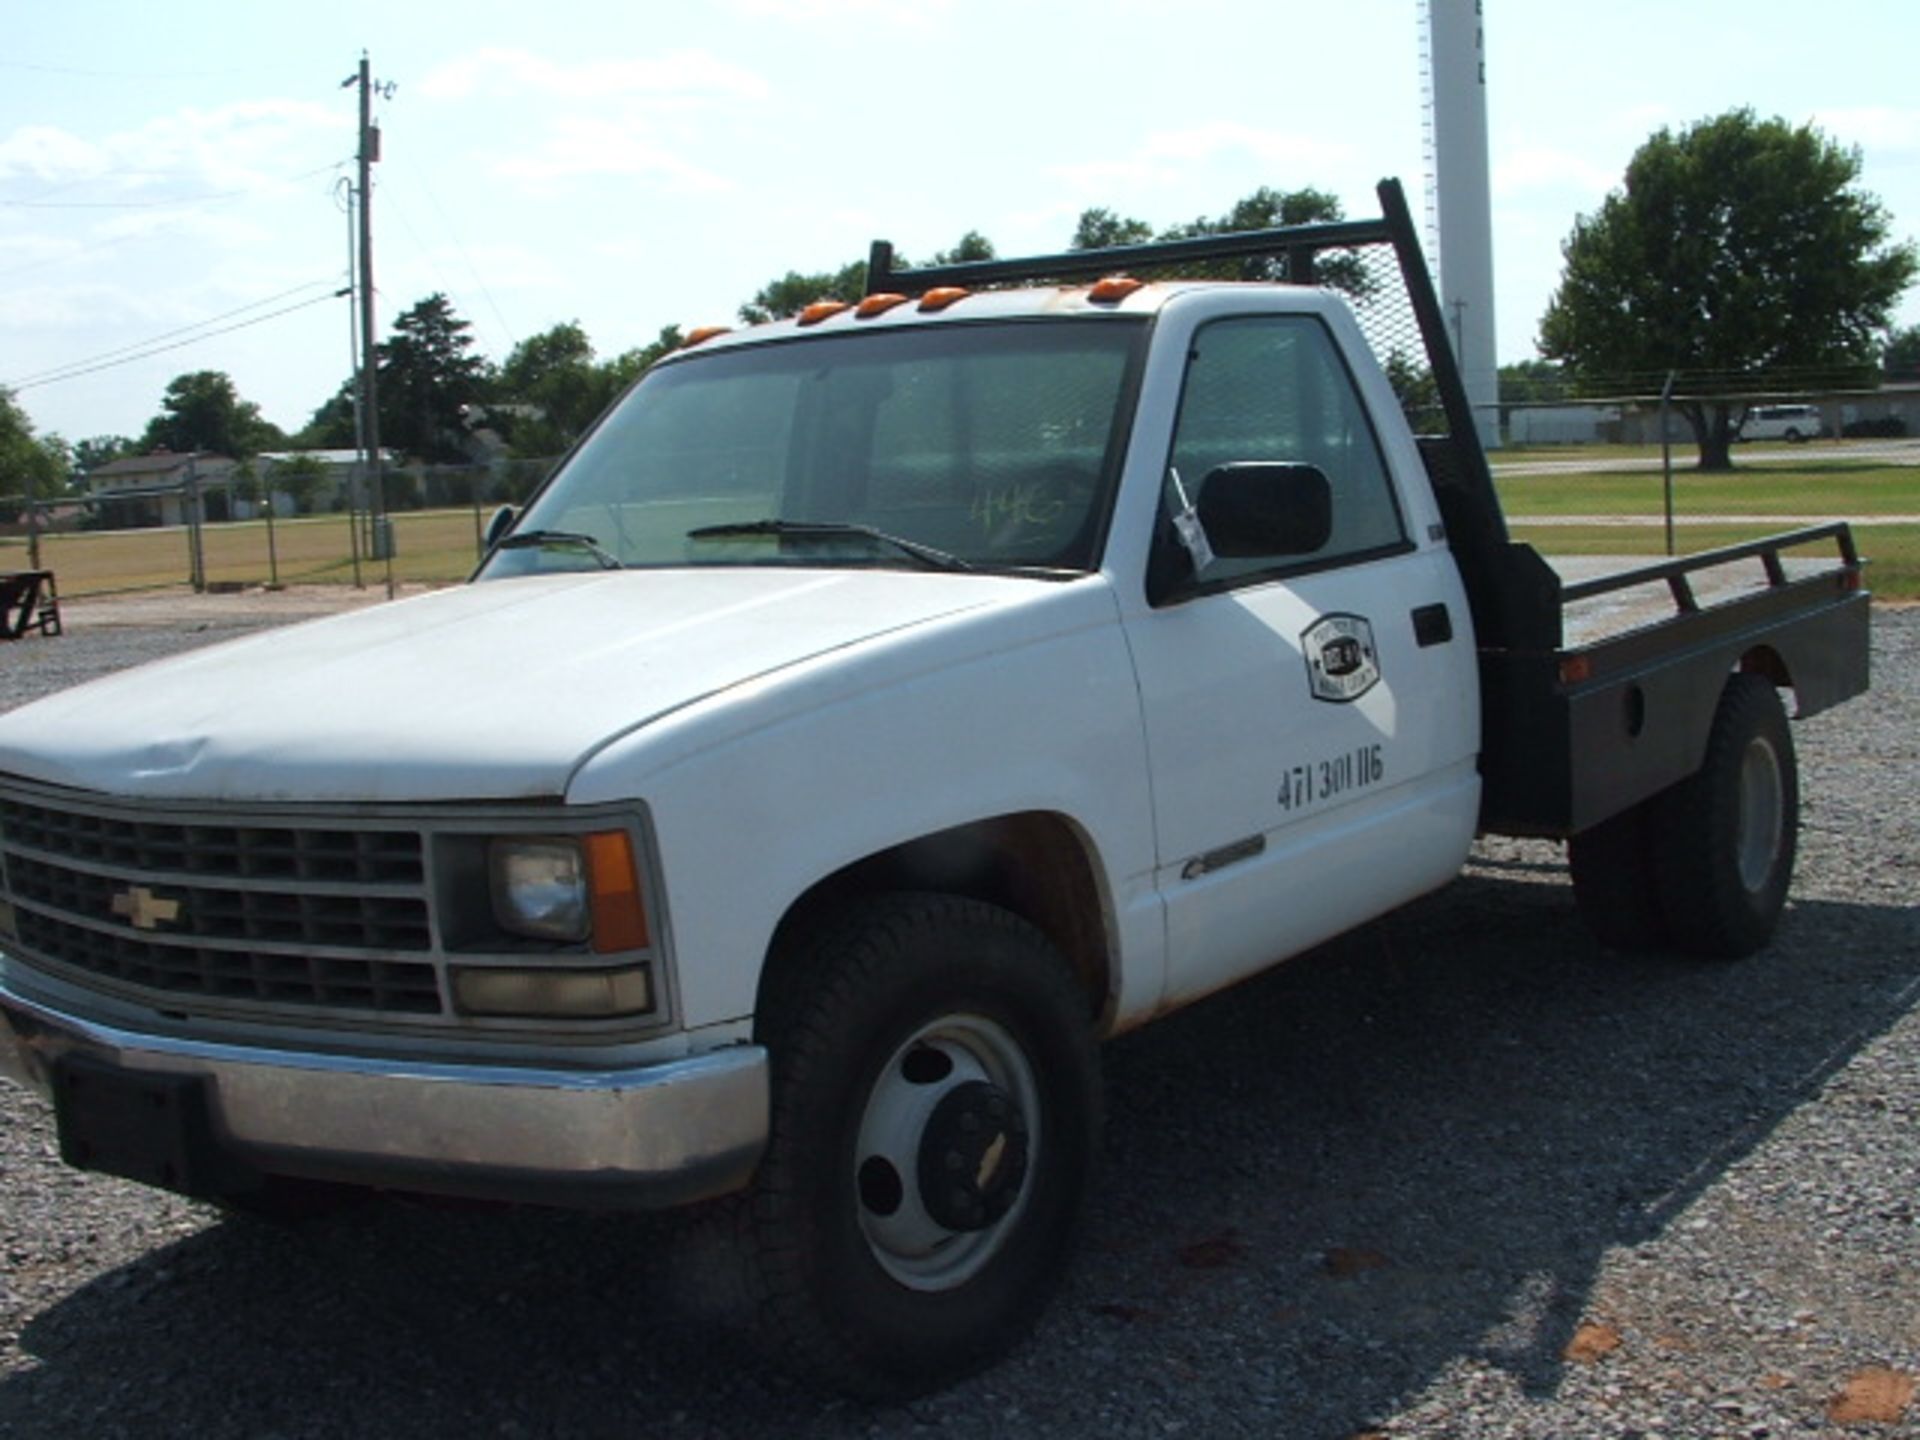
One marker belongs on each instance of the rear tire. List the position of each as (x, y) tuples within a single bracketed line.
[(1723, 840), (935, 1113)]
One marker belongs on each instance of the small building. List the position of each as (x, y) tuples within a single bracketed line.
[(1562, 424), (154, 489), (337, 487)]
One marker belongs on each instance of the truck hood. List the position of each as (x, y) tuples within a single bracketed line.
[(491, 691)]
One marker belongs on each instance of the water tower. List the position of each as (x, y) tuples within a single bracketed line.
[(1459, 196)]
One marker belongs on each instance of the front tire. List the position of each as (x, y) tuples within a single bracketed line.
[(935, 1114)]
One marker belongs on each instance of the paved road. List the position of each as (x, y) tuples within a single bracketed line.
[(1886, 452), (1783, 522)]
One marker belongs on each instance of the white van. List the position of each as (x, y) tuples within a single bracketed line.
[(1792, 423)]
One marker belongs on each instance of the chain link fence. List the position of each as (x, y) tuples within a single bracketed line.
[(1593, 480), (1615, 481), (432, 531)]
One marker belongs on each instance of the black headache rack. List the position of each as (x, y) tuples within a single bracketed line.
[(1514, 593)]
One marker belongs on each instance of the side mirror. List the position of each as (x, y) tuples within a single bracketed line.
[(499, 525), (1256, 508)]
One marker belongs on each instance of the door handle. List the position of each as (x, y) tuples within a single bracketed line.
[(1432, 625)]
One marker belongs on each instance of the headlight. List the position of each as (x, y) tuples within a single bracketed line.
[(569, 889), (540, 888)]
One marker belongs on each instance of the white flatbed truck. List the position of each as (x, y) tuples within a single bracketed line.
[(876, 711)]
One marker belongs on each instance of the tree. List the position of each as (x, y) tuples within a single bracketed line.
[(298, 477), (1101, 229), (1740, 257), (971, 246), (548, 391), (426, 378), (1900, 360), (333, 426), (1265, 209), (627, 366), (30, 465), (244, 483), (203, 411), (1417, 390), (97, 450), (1533, 382), (793, 292)]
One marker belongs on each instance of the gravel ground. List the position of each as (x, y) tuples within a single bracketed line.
[(1461, 1174)]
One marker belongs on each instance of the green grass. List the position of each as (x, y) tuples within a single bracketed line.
[(1517, 454), (430, 545), (1840, 488)]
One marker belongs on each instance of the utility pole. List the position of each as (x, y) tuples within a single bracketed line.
[(369, 389), (357, 477)]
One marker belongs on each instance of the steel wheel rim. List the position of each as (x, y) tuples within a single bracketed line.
[(1762, 816), (906, 1240)]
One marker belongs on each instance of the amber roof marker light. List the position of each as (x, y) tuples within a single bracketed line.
[(822, 310), (941, 296), (1113, 289)]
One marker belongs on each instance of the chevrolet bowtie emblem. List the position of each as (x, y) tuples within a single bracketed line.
[(144, 910)]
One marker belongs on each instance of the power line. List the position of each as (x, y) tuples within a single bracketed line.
[(117, 240), (53, 378), (170, 334), (454, 235)]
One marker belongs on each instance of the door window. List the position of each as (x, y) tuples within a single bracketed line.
[(1275, 388)]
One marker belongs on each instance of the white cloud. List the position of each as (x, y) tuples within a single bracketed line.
[(497, 72), (46, 153), (187, 154)]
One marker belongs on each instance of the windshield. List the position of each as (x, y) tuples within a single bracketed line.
[(989, 445)]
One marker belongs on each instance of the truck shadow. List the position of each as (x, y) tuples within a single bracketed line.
[(1323, 1189)]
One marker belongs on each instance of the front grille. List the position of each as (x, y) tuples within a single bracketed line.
[(360, 857), (221, 912), (273, 916), (276, 978)]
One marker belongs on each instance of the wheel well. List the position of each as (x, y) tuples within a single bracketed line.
[(1766, 662), (1035, 864)]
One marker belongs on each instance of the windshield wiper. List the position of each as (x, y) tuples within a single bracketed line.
[(538, 539), (831, 530)]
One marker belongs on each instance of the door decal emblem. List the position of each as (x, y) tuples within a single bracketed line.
[(1342, 663)]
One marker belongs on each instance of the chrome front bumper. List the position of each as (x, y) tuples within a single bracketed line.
[(651, 1136)]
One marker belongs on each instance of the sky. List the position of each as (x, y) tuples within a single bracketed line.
[(169, 172)]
